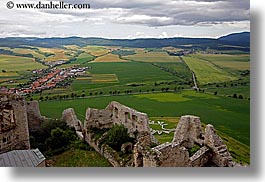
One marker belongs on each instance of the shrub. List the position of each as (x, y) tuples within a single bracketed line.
[(53, 137), (116, 136), (194, 149)]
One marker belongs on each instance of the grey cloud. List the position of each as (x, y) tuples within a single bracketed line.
[(172, 12)]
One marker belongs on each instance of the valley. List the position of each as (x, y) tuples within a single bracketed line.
[(154, 80)]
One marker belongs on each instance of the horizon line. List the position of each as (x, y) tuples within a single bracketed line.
[(76, 36)]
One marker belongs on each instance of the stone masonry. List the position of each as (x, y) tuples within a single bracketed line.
[(210, 149), (34, 116), (71, 120), (212, 152), (14, 132), (116, 113)]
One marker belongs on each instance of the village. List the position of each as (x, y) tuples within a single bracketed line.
[(46, 79)]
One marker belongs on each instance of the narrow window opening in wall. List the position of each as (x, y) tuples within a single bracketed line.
[(4, 140), (127, 116), (116, 112), (134, 117)]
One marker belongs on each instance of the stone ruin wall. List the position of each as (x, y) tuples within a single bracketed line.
[(71, 120), (188, 131), (14, 131), (175, 154), (213, 151), (116, 113), (136, 122), (34, 116)]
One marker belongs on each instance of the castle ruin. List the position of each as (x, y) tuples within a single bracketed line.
[(14, 133), (17, 117), (116, 113), (211, 149)]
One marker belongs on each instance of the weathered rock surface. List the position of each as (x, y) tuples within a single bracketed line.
[(126, 147), (70, 118), (221, 156), (34, 116), (188, 131), (116, 113), (14, 131), (188, 136)]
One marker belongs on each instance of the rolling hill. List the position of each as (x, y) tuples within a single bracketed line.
[(240, 40)]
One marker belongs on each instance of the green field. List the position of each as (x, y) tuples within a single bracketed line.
[(131, 72), (109, 58), (83, 58), (15, 63), (96, 50), (33, 52), (55, 54), (230, 116), (126, 73), (104, 78), (235, 62), (152, 57), (146, 73), (206, 72), (15, 69), (239, 90), (179, 68)]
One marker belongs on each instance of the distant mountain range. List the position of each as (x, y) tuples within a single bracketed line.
[(239, 41)]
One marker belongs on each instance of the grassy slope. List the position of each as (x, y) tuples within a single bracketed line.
[(236, 62), (83, 58), (95, 50), (207, 72), (15, 63), (79, 158), (109, 58), (59, 54), (178, 67)]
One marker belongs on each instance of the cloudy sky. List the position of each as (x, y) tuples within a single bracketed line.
[(129, 19)]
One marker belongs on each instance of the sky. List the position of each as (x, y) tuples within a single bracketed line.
[(128, 19)]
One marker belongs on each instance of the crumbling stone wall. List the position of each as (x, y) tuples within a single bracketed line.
[(188, 131), (212, 151), (14, 132), (70, 118), (187, 134), (136, 122), (221, 156), (116, 113), (34, 116)]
